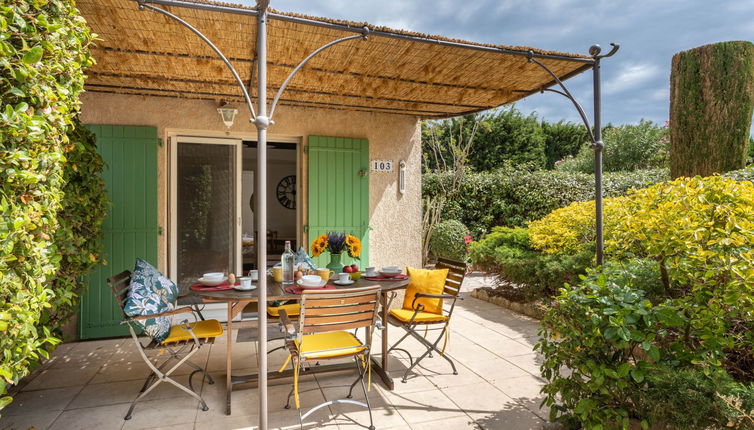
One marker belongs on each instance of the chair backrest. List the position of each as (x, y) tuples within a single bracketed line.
[(119, 284), (456, 273), (333, 310)]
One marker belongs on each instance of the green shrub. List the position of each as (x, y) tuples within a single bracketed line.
[(562, 140), (507, 253), (745, 174), (590, 342), (511, 196), (627, 148), (510, 136), (696, 400), (43, 51), (449, 240), (77, 238)]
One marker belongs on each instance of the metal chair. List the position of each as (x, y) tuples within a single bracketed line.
[(183, 341), (322, 334), (410, 319)]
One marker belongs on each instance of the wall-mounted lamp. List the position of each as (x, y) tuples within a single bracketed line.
[(402, 177), (228, 114)]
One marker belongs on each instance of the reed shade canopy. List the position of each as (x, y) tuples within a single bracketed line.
[(146, 53)]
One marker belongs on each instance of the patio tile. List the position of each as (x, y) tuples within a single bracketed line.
[(456, 423), (101, 418), (110, 393), (496, 370), (504, 347), (31, 402), (121, 371), (61, 377), (350, 415), (528, 362), (445, 377), (38, 420), (493, 409), (148, 413), (423, 406)]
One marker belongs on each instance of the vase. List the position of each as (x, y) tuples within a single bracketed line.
[(335, 264)]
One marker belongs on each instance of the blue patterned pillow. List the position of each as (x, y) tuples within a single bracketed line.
[(150, 292)]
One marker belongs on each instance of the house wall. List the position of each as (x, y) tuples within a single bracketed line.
[(395, 219)]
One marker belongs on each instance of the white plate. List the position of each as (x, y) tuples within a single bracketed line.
[(213, 282), (348, 282), (240, 288), (302, 285)]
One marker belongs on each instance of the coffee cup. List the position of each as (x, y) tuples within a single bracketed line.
[(344, 277), (370, 272), (254, 275), (325, 274), (277, 274), (245, 282)]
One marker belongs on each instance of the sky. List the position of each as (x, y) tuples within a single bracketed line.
[(635, 80)]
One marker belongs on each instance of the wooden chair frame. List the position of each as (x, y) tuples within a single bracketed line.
[(179, 351), (325, 311), (456, 274)]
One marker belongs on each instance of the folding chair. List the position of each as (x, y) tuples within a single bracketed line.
[(183, 341), (322, 334), (414, 316)]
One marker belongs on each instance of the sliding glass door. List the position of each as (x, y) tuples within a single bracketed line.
[(206, 207)]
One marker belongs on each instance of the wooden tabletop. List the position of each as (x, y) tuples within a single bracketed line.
[(275, 291)]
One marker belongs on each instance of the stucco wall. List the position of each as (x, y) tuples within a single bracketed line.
[(395, 219)]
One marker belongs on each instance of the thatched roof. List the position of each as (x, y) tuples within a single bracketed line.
[(143, 52)]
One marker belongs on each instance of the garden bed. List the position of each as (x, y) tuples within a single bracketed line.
[(509, 298)]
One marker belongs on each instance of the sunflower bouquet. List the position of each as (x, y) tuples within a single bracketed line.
[(336, 243)]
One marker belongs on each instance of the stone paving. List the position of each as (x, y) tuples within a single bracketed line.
[(89, 385)]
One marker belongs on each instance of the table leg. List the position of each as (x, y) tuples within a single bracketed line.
[(229, 358), (382, 368)]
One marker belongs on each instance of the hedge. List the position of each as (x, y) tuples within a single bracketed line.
[(512, 196), (44, 49)]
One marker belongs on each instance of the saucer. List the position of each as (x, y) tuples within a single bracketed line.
[(240, 288), (348, 282)]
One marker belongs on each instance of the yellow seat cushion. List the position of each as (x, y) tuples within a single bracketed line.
[(428, 282), (292, 309), (422, 317), (202, 329), (329, 345)]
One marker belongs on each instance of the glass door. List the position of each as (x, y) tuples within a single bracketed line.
[(205, 208)]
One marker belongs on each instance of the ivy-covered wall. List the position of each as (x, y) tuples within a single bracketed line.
[(43, 52), (711, 104)]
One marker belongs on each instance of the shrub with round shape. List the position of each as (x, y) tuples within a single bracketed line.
[(449, 240)]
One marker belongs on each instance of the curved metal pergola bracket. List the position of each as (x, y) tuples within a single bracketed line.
[(364, 35), (143, 5), (565, 93)]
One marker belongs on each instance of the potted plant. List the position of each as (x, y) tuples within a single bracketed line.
[(336, 243)]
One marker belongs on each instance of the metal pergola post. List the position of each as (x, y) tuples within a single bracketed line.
[(262, 122)]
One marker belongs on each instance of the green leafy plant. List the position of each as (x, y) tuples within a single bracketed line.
[(513, 195), (507, 253), (77, 238), (43, 51), (449, 240), (627, 148), (563, 140)]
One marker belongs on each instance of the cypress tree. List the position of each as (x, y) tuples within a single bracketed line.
[(711, 105)]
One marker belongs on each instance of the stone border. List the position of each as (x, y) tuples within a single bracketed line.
[(527, 309)]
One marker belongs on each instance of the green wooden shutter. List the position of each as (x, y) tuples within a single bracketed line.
[(130, 229), (339, 190)]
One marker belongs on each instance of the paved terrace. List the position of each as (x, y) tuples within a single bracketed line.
[(89, 385)]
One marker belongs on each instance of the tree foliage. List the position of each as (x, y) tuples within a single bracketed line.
[(563, 140), (627, 148), (711, 105), (44, 49)]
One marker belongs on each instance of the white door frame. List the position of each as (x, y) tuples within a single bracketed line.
[(173, 142)]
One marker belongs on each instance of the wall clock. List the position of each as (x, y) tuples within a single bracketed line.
[(286, 192)]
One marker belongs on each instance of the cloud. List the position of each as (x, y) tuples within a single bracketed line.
[(631, 76)]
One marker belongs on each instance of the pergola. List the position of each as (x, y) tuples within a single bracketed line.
[(239, 53)]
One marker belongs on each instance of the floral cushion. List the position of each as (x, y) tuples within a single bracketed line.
[(150, 292)]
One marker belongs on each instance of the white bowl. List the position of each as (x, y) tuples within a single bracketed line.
[(311, 280), (213, 275), (212, 282), (388, 269), (304, 286)]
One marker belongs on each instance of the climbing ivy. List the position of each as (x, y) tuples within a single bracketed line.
[(43, 52)]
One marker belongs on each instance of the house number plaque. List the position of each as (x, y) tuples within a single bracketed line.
[(382, 165)]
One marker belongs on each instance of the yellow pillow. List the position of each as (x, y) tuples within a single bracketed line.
[(428, 282)]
